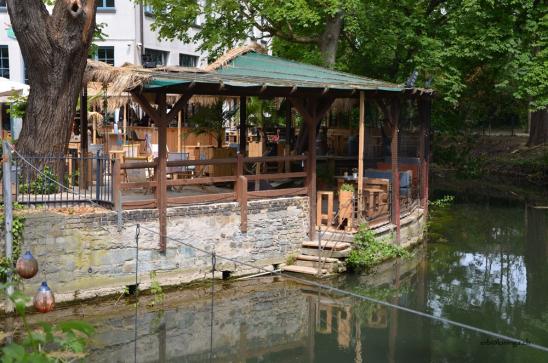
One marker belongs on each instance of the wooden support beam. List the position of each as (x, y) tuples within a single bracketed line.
[(161, 191), (360, 153), (425, 109), (116, 184), (179, 126), (394, 118), (179, 106), (83, 182), (311, 176), (146, 106), (243, 125), (242, 199), (312, 113)]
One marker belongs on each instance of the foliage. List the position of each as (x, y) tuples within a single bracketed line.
[(156, 290), (45, 183), (486, 59), (455, 151), (346, 187), (291, 259), (211, 120), (444, 202), (17, 227), (61, 342), (18, 106), (98, 35), (439, 216), (225, 23), (369, 252)]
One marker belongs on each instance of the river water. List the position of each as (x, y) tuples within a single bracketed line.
[(486, 265)]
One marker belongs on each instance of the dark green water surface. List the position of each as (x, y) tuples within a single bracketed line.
[(486, 265)]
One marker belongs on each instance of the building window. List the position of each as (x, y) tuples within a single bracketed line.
[(4, 61), (148, 10), (26, 73), (105, 4), (105, 54), (187, 60), (154, 58)]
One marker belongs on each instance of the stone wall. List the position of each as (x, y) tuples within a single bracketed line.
[(84, 256)]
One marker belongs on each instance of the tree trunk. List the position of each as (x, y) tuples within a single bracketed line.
[(330, 39), (538, 132), (55, 49)]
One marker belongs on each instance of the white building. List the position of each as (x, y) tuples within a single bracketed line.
[(129, 39)]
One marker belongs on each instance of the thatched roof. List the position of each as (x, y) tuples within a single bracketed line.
[(232, 54), (118, 79)]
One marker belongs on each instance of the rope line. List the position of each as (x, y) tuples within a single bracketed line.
[(313, 283), (366, 298)]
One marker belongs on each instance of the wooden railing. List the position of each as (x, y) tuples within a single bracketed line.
[(240, 178)]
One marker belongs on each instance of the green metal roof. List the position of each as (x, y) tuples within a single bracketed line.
[(254, 70), (300, 74)]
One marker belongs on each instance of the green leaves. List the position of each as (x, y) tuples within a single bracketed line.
[(62, 342), (369, 252)]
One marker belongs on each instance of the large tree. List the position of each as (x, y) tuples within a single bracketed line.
[(317, 23), (55, 50)]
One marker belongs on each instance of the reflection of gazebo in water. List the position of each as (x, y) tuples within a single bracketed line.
[(245, 72)]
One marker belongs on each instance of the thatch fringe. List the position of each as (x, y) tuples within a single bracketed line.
[(97, 117), (233, 53), (118, 79)]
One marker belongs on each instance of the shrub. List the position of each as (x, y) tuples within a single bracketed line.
[(369, 252)]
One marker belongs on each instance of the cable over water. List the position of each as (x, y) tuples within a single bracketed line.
[(312, 283), (362, 297)]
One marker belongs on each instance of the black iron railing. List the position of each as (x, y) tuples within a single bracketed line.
[(63, 181)]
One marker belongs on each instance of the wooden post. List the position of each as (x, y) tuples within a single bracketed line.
[(83, 136), (8, 209), (360, 153), (124, 125), (312, 113), (243, 125), (179, 123), (161, 119), (161, 191), (424, 149), (395, 112), (94, 131), (288, 136), (242, 184), (116, 184), (311, 175)]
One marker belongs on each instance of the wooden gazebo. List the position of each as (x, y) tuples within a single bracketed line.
[(246, 72)]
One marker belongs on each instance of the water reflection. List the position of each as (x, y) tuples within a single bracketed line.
[(489, 270)]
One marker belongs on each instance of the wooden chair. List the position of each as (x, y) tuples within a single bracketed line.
[(178, 172), (320, 216), (142, 175)]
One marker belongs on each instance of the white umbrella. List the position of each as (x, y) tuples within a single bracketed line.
[(11, 88)]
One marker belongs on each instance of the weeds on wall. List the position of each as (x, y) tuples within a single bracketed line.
[(18, 225)]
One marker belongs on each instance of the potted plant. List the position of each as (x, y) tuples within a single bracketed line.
[(346, 205)]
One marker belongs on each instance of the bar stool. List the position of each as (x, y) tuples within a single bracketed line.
[(320, 216)]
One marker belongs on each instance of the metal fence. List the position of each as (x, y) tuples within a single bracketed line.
[(63, 181)]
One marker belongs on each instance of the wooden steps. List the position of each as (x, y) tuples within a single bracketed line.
[(332, 265), (329, 245), (303, 270), (317, 259)]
